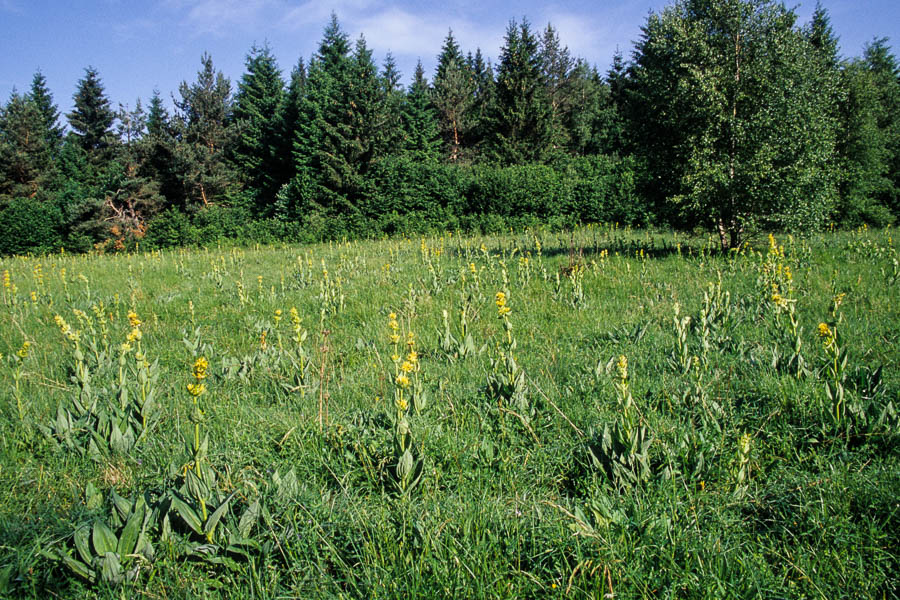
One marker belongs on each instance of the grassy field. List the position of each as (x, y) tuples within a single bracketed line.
[(601, 413)]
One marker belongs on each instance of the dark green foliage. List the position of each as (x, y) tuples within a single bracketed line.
[(43, 99), (25, 150), (92, 118), (29, 225), (453, 96), (421, 139), (204, 136), (885, 71), (260, 94), (341, 133), (521, 120)]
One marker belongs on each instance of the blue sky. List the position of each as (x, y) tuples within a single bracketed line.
[(141, 45)]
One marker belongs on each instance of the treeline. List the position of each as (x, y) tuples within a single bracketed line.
[(728, 115)]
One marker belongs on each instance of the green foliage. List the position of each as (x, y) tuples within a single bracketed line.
[(25, 152), (730, 118), (260, 94), (29, 225), (92, 117), (202, 128), (521, 117)]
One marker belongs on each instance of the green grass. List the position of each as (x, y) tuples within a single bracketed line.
[(516, 500)]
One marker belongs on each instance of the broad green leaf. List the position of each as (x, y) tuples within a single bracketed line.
[(103, 537)]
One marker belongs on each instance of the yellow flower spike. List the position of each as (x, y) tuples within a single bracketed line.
[(195, 389), (23, 351), (824, 330), (413, 357), (199, 368), (410, 339), (407, 367), (622, 367), (402, 381), (133, 319)]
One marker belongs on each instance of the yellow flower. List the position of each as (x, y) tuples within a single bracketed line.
[(622, 367), (199, 369), (6, 282), (195, 389), (134, 336), (412, 357), (407, 367), (403, 381), (824, 331), (395, 339), (401, 404), (23, 351), (410, 339), (295, 316), (500, 299), (133, 319)]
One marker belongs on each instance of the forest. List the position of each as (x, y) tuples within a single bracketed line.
[(726, 116)]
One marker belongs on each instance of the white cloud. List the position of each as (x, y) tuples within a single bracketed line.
[(217, 16)]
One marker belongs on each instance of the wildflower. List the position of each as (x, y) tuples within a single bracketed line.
[(502, 308), (407, 367), (134, 335), (125, 348), (401, 403), (277, 315), (23, 351), (6, 281), (295, 317), (824, 331), (199, 369), (133, 319), (195, 389), (403, 380), (622, 367), (410, 339), (413, 357)]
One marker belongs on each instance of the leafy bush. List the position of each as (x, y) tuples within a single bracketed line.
[(29, 225)]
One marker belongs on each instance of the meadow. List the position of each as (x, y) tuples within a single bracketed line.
[(597, 413)]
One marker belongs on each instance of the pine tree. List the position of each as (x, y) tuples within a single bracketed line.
[(43, 99), (885, 72), (25, 152), (92, 118), (283, 168), (453, 96), (260, 93), (557, 67), (422, 139), (393, 100), (341, 124), (483, 75), (520, 119), (204, 137)]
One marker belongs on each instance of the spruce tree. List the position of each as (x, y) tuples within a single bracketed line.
[(260, 94), (341, 124), (92, 118), (393, 101), (881, 63), (520, 120), (25, 152), (557, 69), (43, 99), (287, 123), (421, 138)]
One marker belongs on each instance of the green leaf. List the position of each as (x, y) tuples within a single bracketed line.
[(103, 537), (187, 514), (79, 568), (110, 568), (249, 519), (129, 536), (83, 543), (217, 514)]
